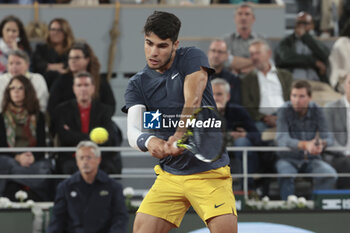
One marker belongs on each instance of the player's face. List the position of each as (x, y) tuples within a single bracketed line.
[(217, 54), (17, 65), (244, 18), (10, 32), (220, 95), (83, 89), (300, 100), (260, 56), (159, 53), (77, 61), (87, 162)]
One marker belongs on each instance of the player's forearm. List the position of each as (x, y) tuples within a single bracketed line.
[(137, 139), (194, 86)]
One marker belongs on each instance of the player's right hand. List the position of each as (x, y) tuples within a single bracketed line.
[(156, 147), (170, 148)]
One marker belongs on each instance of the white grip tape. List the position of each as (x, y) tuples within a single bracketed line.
[(175, 144)]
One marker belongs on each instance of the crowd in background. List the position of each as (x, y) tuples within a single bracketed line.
[(54, 95)]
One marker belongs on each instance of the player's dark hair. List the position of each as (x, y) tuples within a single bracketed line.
[(303, 84), (164, 24)]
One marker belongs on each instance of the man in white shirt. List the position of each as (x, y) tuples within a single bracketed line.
[(18, 64), (266, 88), (338, 119)]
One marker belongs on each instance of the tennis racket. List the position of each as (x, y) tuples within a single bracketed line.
[(205, 137)]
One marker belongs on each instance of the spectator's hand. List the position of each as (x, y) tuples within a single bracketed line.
[(314, 147), (13, 45), (66, 127), (270, 120), (300, 30), (156, 147), (169, 147), (239, 133), (59, 67), (246, 70), (25, 159), (321, 67)]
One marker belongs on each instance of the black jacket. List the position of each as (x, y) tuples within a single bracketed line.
[(89, 208)]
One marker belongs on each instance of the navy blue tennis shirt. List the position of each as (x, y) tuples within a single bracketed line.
[(164, 92)]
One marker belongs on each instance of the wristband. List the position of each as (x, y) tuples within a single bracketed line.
[(141, 141)]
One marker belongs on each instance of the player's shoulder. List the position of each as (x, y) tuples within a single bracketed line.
[(183, 51), (137, 76)]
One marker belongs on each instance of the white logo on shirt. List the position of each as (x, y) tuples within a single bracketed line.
[(174, 76), (73, 194)]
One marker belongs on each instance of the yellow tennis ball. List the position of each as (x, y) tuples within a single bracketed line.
[(99, 135)]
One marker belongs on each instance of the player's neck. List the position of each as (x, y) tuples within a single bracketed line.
[(168, 65)]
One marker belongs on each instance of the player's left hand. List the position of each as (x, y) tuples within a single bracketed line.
[(169, 147)]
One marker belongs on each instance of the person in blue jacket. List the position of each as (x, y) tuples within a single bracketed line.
[(89, 201)]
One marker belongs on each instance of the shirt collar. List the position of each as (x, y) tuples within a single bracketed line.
[(273, 68), (251, 36), (101, 177)]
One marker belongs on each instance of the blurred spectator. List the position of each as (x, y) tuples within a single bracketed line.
[(331, 11), (239, 125), (25, 2), (345, 14), (302, 54), (299, 122), (23, 125), (12, 37), (340, 59), (266, 88), (80, 58), (50, 59), (18, 64), (75, 118), (217, 56), (89, 201), (235, 1), (338, 116), (84, 2), (238, 42)]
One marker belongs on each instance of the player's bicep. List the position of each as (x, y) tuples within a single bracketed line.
[(194, 86)]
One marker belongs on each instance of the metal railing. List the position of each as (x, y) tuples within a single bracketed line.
[(243, 175)]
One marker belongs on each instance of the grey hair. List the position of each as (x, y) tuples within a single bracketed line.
[(20, 54), (91, 145), (221, 81), (262, 42)]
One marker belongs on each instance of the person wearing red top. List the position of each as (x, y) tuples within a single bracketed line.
[(77, 117)]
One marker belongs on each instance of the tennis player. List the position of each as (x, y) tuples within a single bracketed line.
[(175, 81)]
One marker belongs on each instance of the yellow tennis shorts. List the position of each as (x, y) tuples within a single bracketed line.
[(210, 194)]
